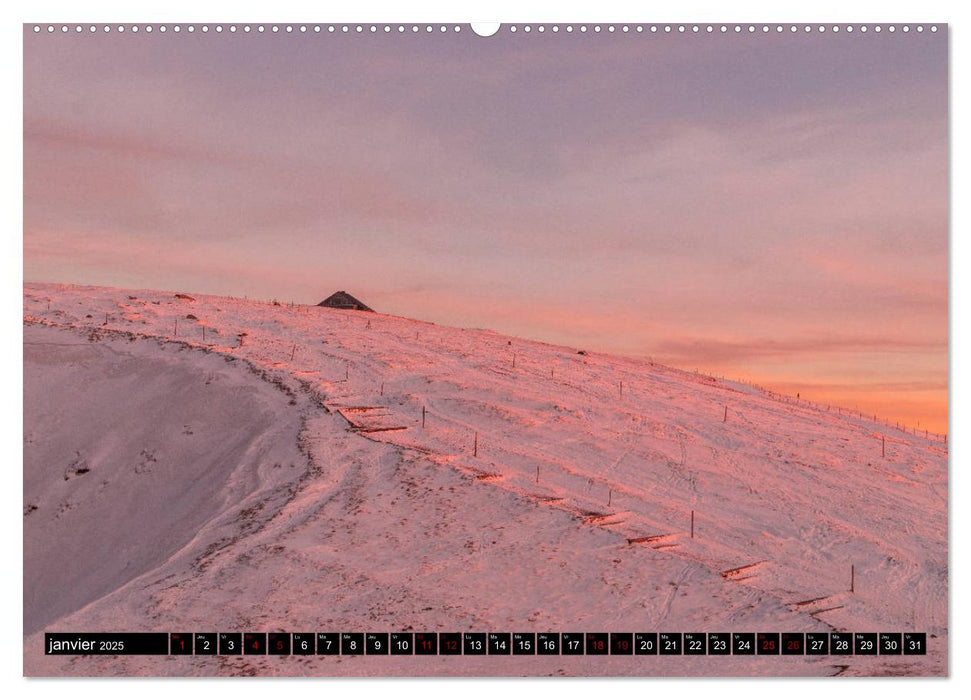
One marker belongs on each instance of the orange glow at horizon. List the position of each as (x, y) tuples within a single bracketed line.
[(917, 409)]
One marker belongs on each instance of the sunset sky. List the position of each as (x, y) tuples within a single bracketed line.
[(768, 206)]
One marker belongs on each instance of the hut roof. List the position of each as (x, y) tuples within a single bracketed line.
[(343, 300)]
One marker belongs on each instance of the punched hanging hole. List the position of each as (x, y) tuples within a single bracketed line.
[(485, 28)]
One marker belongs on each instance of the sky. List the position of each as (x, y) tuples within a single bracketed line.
[(771, 207)]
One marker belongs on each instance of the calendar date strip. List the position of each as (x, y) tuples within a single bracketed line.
[(487, 643)]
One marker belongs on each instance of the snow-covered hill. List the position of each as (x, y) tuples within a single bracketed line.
[(197, 463)]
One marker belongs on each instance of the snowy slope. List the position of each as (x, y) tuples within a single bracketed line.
[(547, 490)]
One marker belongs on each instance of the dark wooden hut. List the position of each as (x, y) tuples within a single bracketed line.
[(343, 300)]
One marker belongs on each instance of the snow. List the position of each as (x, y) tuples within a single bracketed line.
[(292, 487)]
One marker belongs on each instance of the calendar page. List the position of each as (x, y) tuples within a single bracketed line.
[(524, 349)]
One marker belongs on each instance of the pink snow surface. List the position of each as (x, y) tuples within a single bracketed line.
[(287, 484)]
